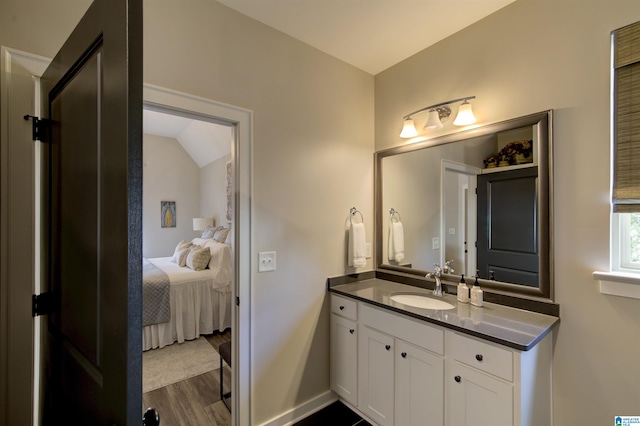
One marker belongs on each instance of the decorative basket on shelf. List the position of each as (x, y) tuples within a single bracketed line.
[(516, 152)]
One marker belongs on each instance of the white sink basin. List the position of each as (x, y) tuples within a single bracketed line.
[(420, 301)]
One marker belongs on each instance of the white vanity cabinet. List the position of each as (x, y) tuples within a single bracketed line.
[(344, 348), (490, 384), (403, 371), (375, 371), (400, 369), (418, 394)]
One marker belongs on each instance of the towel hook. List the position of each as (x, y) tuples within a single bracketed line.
[(393, 212), (352, 212)]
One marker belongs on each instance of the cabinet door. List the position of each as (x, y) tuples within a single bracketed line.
[(344, 358), (476, 399), (375, 371), (419, 389)]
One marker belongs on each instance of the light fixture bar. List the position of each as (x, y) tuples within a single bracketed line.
[(438, 105), (438, 113)]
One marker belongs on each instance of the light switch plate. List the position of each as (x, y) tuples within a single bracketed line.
[(266, 261), (369, 251), (435, 242)]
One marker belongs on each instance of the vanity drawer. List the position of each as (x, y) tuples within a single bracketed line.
[(344, 307), (408, 329), (481, 355)]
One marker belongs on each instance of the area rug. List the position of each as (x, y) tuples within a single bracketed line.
[(176, 362)]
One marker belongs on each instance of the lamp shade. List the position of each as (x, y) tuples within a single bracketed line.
[(408, 129), (201, 223), (433, 120), (465, 115)]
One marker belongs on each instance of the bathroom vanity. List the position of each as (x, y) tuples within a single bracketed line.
[(405, 365)]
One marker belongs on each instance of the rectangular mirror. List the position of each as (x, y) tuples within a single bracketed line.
[(501, 231)]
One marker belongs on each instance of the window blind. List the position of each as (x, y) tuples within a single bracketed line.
[(626, 126)]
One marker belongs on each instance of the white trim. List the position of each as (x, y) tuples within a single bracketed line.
[(303, 410), (35, 65), (243, 186), (472, 172), (619, 284)]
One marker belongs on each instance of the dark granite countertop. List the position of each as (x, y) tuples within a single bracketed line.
[(512, 327)]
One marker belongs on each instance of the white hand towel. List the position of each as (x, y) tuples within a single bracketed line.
[(396, 242), (357, 246)]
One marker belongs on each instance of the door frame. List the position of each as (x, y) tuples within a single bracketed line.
[(470, 202), (242, 158), (18, 284)]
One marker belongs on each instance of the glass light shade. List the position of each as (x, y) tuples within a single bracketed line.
[(465, 115), (408, 129), (201, 223), (433, 120)]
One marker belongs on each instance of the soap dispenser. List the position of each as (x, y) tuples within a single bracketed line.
[(476, 293), (463, 291)]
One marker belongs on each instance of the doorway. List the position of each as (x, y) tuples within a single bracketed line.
[(240, 119), (187, 205)]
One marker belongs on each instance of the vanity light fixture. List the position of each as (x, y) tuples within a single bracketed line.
[(437, 114)]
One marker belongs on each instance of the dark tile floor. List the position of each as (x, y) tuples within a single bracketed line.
[(336, 414)]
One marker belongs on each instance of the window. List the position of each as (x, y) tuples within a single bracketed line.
[(626, 149), (626, 242)]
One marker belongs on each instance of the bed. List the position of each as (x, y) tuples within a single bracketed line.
[(199, 301)]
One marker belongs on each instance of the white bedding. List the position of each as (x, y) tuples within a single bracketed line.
[(200, 300)]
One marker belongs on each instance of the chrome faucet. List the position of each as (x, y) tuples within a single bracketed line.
[(437, 273)]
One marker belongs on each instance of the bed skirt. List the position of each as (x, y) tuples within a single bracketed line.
[(195, 310)]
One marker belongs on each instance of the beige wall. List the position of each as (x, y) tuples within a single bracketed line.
[(169, 174), (531, 56), (313, 127), (38, 26)]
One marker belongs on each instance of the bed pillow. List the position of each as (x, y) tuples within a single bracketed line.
[(198, 258), (181, 252), (208, 232), (221, 234)]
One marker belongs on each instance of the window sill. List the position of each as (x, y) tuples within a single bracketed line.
[(619, 283)]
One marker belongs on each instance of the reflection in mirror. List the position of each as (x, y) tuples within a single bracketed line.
[(499, 231)]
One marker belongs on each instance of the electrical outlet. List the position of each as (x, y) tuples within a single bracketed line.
[(435, 242), (266, 261), (369, 251)]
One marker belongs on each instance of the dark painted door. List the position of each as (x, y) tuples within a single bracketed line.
[(507, 226), (93, 94)]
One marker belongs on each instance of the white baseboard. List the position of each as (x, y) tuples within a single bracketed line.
[(303, 410)]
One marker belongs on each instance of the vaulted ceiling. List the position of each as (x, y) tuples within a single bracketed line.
[(205, 142)]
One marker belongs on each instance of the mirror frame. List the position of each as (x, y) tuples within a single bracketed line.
[(544, 149)]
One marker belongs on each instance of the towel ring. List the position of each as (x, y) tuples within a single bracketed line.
[(393, 212), (352, 212)]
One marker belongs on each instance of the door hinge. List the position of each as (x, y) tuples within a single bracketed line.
[(41, 304), (39, 127), (237, 301)]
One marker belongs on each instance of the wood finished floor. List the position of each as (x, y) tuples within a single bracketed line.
[(195, 401)]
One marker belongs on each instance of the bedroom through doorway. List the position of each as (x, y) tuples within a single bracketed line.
[(189, 252)]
